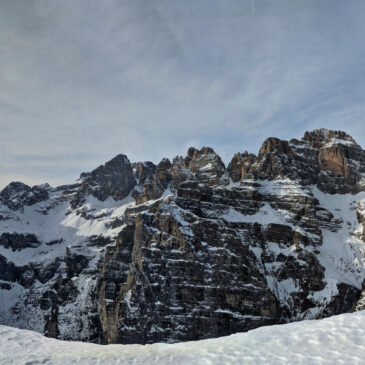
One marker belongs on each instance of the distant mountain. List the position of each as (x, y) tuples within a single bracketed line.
[(188, 249)]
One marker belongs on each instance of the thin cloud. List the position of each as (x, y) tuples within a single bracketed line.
[(88, 80)]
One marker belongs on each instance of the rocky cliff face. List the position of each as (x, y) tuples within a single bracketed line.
[(188, 249)]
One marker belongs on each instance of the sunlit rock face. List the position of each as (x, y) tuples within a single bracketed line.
[(188, 249), (332, 160)]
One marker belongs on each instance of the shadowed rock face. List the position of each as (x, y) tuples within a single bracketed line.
[(197, 250), (142, 170), (17, 242), (155, 183), (16, 195), (114, 179), (159, 284)]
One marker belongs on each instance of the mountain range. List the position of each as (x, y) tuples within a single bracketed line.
[(188, 249)]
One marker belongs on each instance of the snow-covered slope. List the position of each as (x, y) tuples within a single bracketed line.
[(336, 340)]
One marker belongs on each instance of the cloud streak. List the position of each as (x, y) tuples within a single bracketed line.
[(83, 81)]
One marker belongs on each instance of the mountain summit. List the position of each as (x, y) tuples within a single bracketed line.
[(188, 249)]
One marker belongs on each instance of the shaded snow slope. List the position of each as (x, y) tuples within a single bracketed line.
[(336, 340)]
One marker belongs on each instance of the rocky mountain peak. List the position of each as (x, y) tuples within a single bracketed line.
[(339, 159), (273, 144), (206, 165), (113, 179), (275, 159), (116, 165), (330, 159), (187, 255), (14, 189), (164, 164), (320, 138), (17, 194)]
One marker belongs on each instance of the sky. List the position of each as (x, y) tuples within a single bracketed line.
[(81, 81)]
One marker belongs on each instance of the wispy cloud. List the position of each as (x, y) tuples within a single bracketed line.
[(83, 81)]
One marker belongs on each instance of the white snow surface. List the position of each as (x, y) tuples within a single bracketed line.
[(336, 340), (342, 254)]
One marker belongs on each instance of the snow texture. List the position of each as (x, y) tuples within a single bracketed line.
[(336, 340)]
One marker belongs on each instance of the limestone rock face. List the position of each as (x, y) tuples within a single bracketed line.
[(188, 249), (155, 183), (114, 179), (330, 159), (142, 170), (206, 165), (157, 276), (240, 165)]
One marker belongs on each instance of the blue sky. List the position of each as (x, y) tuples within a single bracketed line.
[(81, 81)]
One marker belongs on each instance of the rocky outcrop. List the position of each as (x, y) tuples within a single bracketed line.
[(18, 242), (156, 277), (240, 166), (155, 183), (25, 275), (330, 159), (16, 195), (114, 179), (206, 165), (188, 249), (143, 170)]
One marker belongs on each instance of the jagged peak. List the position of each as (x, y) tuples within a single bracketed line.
[(206, 164), (119, 158), (208, 154), (191, 151), (115, 178), (272, 144), (17, 194), (322, 132), (207, 150), (164, 164), (327, 137), (20, 186), (15, 187), (14, 193), (195, 152), (119, 161)]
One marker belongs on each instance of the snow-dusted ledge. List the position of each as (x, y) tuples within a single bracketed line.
[(336, 340)]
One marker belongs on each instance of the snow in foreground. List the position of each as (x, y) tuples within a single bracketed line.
[(335, 340)]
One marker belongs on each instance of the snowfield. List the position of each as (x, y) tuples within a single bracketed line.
[(336, 340)]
